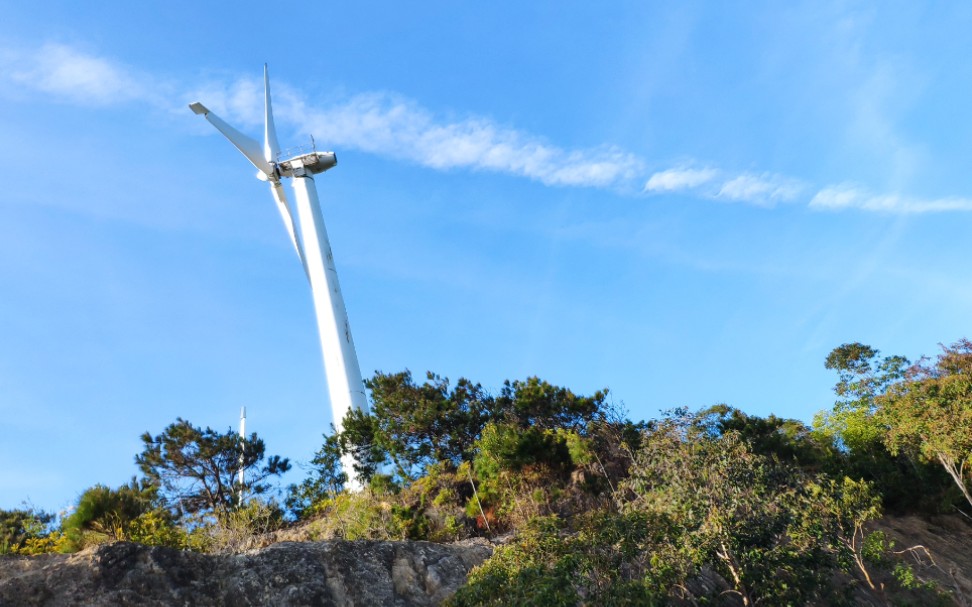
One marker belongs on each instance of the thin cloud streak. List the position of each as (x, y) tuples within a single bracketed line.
[(386, 123), (679, 179), (762, 190), (390, 125), (842, 197)]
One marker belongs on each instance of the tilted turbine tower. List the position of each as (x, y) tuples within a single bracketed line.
[(314, 250)]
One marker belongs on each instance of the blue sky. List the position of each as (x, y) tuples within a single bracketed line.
[(688, 205)]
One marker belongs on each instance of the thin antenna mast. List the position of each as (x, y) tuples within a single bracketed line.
[(242, 452)]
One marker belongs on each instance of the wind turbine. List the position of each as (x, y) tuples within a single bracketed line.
[(314, 250)]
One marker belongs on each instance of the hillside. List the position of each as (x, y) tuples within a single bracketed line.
[(361, 573), (584, 506)]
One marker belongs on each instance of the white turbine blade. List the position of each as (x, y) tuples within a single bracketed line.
[(249, 147), (286, 213), (271, 147)]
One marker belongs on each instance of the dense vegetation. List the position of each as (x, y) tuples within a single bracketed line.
[(587, 506)]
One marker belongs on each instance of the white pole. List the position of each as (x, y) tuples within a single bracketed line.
[(340, 361), (242, 451)]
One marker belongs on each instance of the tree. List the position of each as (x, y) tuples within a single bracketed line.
[(858, 432), (535, 403), (413, 425), (530, 425), (195, 469), (930, 413), (767, 527), (862, 378), (790, 440)]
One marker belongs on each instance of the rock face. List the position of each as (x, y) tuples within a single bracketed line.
[(328, 573), (937, 549)]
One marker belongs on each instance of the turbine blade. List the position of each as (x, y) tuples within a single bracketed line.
[(271, 147), (286, 213), (249, 147)]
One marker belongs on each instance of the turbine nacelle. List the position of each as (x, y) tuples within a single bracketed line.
[(266, 157), (313, 163)]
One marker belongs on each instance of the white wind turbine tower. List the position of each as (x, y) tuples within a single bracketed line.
[(340, 361)]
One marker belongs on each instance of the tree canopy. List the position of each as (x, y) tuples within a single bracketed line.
[(930, 413), (195, 468)]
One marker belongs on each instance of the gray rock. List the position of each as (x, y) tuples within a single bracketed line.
[(338, 573)]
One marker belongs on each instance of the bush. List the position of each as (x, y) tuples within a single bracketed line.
[(103, 514), (608, 560), (242, 529), (17, 527)]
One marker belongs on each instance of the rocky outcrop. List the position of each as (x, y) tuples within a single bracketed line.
[(335, 573), (938, 549)]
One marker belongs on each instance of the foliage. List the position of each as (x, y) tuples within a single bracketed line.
[(752, 518), (195, 469), (17, 527), (103, 514), (55, 541), (862, 378), (509, 448), (413, 425), (694, 508), (431, 508), (157, 527), (534, 403), (605, 561), (362, 440), (366, 514), (241, 529), (702, 515), (930, 414), (132, 512), (325, 481), (855, 427), (788, 440)]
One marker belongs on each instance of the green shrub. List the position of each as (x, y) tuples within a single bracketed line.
[(607, 561), (20, 526), (103, 514)]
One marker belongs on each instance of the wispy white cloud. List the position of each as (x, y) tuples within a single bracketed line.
[(845, 196), (764, 190), (391, 125), (677, 179), (239, 100), (70, 74)]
